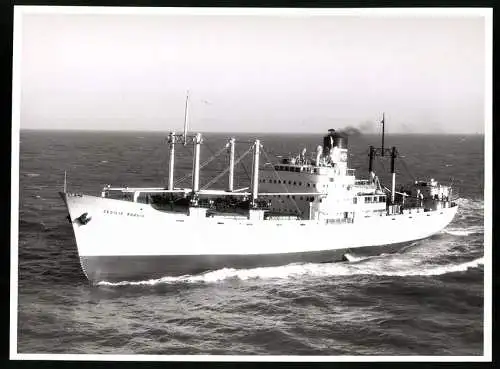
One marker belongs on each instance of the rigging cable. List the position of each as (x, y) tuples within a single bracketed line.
[(407, 170), (204, 164), (243, 165), (216, 178)]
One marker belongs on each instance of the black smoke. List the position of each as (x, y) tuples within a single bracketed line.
[(360, 129), (350, 131)]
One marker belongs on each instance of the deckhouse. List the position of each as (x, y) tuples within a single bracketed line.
[(297, 178)]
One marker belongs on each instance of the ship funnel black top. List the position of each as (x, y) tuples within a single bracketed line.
[(334, 139)]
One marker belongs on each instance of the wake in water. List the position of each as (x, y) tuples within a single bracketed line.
[(421, 258), (465, 231), (389, 265), (469, 209)]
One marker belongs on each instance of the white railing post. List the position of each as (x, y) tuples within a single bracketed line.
[(171, 140), (255, 182), (196, 164), (231, 165)]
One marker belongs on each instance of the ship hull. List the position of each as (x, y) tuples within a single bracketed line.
[(141, 268), (127, 241)]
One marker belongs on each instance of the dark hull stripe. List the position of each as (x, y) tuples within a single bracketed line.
[(139, 268)]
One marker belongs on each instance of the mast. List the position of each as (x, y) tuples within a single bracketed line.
[(231, 165), (255, 182), (64, 186), (171, 140), (186, 115), (393, 171), (383, 132), (196, 163)]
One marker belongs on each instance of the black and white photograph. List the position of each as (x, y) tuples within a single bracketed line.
[(251, 184)]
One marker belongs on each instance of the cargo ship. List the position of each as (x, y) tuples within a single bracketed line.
[(300, 209)]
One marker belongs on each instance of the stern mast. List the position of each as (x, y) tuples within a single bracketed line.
[(382, 151)]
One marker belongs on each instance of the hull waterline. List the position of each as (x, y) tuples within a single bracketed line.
[(141, 268)]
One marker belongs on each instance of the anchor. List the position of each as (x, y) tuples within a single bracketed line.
[(84, 218)]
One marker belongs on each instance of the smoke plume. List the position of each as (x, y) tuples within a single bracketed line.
[(362, 128)]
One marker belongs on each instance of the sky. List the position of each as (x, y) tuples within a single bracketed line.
[(253, 73)]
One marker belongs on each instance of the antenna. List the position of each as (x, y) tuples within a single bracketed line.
[(186, 117), (383, 132)]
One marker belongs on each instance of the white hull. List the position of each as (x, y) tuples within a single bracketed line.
[(126, 229)]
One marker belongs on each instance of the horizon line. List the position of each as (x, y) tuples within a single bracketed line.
[(248, 132)]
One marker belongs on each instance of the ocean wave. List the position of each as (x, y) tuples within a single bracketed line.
[(463, 231), (471, 204), (32, 174), (353, 258), (394, 267), (469, 211)]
